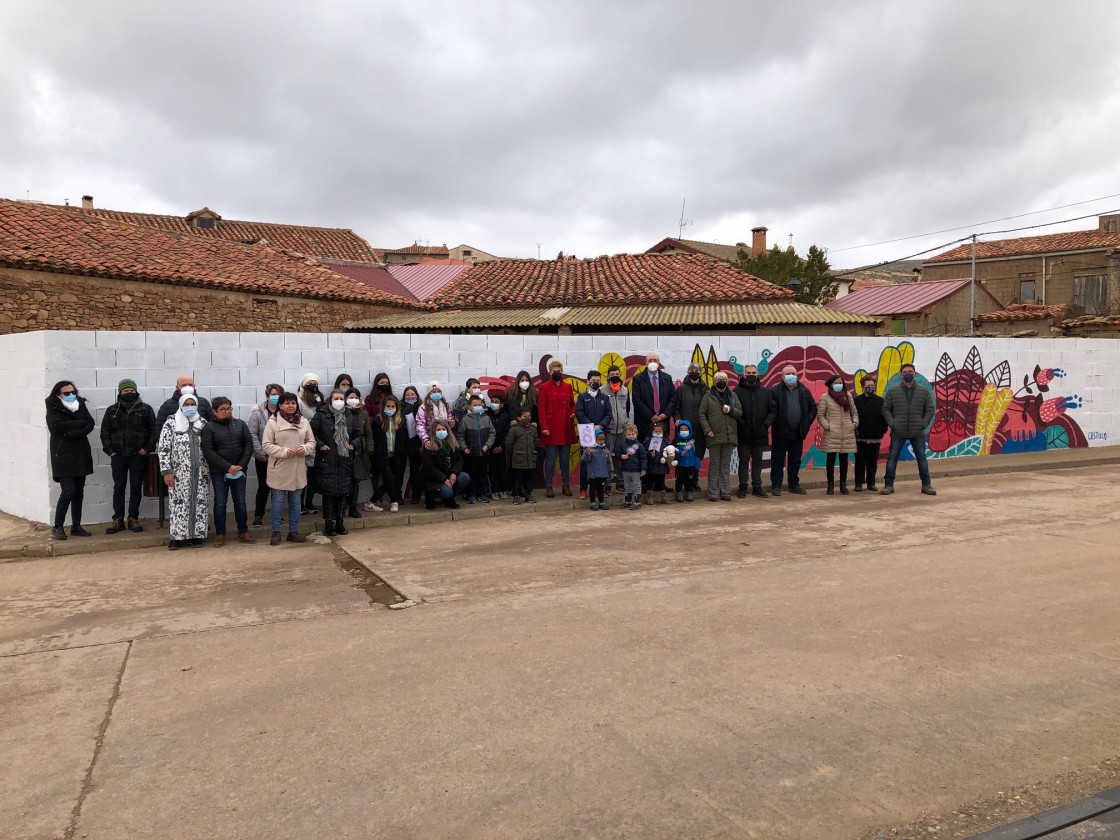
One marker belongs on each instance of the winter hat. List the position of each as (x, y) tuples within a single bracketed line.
[(308, 377), (126, 383), (433, 384)]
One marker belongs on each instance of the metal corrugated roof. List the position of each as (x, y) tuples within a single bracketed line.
[(683, 314), (425, 279), (902, 298), (371, 275)]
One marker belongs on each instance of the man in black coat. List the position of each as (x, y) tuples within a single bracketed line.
[(869, 435), (171, 404), (759, 410), (228, 448), (653, 395), (128, 434), (796, 410)]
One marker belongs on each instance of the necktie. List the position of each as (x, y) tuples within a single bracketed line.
[(656, 396)]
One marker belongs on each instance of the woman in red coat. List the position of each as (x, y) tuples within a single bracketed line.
[(556, 412)]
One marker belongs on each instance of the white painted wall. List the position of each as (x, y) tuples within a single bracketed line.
[(239, 365)]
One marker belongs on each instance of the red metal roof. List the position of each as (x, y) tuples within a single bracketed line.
[(904, 298), (375, 276), (424, 280)]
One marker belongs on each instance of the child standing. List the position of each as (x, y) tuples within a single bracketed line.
[(688, 464), (654, 481), (522, 445), (634, 460), (476, 433), (599, 464), (499, 473)]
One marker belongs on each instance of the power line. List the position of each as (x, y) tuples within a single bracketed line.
[(977, 224)]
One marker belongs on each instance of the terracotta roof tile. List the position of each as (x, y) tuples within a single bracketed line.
[(416, 248), (333, 243), (1025, 312), (1076, 240), (695, 246), (619, 279), (44, 238)]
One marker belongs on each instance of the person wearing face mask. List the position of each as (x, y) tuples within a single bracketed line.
[(382, 388), (523, 394), (432, 409), (499, 458), (186, 474), (719, 421), (337, 440), (310, 399), (556, 410), (258, 419), (759, 411), (69, 423), (598, 463), (343, 382), (633, 460), (390, 442), (836, 413), (367, 464), (183, 385), (128, 434), (619, 396), (461, 405), (441, 466), (653, 394), (522, 445), (410, 405), (908, 410), (287, 441), (227, 447), (689, 395), (869, 434), (592, 406), (656, 471), (688, 464), (795, 412), (476, 435)]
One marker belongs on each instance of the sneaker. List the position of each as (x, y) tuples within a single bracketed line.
[(871, 488), (594, 505), (583, 494), (859, 488), (194, 543), (634, 506), (517, 500), (394, 507), (688, 497), (530, 499), (927, 490), (372, 508), (172, 545), (604, 505), (135, 526), (886, 491), (471, 500), (116, 527), (713, 498), (486, 499), (725, 498), (58, 533), (311, 509)]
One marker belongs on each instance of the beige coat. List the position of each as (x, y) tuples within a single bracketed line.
[(285, 472), (839, 426)]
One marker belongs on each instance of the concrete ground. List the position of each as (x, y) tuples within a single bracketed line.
[(809, 667)]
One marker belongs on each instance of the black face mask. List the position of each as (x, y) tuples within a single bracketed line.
[(750, 379), (616, 379), (593, 384), (721, 386), (557, 376), (694, 377), (383, 388), (129, 398)]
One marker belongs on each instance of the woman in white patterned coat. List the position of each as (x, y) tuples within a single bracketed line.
[(186, 474)]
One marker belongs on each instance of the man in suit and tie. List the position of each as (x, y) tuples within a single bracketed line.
[(653, 395)]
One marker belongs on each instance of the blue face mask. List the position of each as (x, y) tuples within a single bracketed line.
[(684, 433), (389, 412), (234, 476), (790, 379), (190, 410), (435, 396), (441, 434), (70, 399), (274, 399), (907, 377), (477, 409), (495, 406), (838, 387)]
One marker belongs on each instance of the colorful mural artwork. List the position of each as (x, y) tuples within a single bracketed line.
[(978, 413)]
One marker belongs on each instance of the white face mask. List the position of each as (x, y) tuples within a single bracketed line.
[(337, 404), (653, 367), (353, 402), (476, 391), (523, 385), (187, 389)]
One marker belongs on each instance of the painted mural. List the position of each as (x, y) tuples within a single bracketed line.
[(980, 410)]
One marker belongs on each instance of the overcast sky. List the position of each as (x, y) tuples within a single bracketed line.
[(577, 125)]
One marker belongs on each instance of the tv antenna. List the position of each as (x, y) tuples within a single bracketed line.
[(683, 223), (539, 244)]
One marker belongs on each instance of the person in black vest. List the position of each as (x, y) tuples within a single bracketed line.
[(759, 410), (869, 435), (128, 434), (183, 385), (795, 412), (227, 446), (653, 395), (69, 422)]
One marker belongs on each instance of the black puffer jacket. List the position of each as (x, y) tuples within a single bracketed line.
[(759, 410), (872, 424), (334, 472), (437, 465), (781, 429), (71, 456), (127, 428), (226, 444)]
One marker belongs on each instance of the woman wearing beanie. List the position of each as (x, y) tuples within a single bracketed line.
[(128, 434), (186, 474), (69, 422)]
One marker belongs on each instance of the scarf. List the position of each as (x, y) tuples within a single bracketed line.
[(182, 422), (615, 386), (725, 396), (295, 418), (341, 433), (840, 399)]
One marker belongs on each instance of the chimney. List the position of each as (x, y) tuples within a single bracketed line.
[(87, 202), (1109, 224), (758, 241)]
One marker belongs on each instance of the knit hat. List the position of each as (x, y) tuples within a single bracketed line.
[(433, 384), (126, 383), (308, 377)]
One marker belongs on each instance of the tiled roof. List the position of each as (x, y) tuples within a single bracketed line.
[(650, 315), (44, 238), (899, 271), (620, 279), (1090, 322), (334, 243), (1076, 240), (1025, 312), (376, 276), (424, 280), (422, 250), (694, 246), (904, 298)]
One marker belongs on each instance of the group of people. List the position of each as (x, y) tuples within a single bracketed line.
[(479, 446)]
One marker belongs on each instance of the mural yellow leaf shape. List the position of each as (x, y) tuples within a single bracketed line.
[(857, 380), (609, 359), (697, 357), (993, 405), (891, 361), (711, 368)]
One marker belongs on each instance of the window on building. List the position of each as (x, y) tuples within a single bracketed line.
[(1088, 292), (468, 253), (203, 222), (898, 326), (1026, 288)]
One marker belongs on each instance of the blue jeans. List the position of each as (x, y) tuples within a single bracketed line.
[(461, 481), (237, 488), (785, 453), (564, 454), (292, 501), (918, 444)]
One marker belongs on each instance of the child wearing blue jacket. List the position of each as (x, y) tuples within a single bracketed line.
[(599, 464), (688, 464), (634, 461)]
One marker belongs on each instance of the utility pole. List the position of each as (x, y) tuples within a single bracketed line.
[(972, 292)]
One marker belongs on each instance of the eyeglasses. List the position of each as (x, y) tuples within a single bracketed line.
[(223, 409), (66, 393)]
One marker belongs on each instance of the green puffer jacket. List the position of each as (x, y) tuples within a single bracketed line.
[(521, 444), (713, 418), (908, 417)]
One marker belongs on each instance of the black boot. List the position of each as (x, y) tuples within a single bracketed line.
[(831, 491), (843, 488), (339, 525), (328, 516)]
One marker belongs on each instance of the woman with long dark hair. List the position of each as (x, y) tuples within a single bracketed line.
[(69, 422)]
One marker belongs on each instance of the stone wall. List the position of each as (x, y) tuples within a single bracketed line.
[(1001, 277), (239, 364), (37, 300)]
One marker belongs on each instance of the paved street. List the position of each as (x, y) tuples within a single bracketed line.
[(796, 668)]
